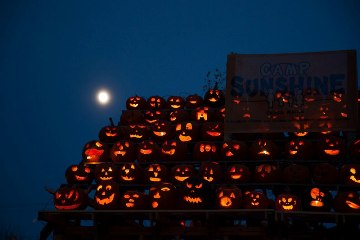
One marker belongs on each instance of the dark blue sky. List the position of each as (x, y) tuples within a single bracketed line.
[(54, 55)]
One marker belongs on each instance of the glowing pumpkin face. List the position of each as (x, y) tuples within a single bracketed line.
[(174, 150), (212, 131), (148, 151), (202, 114), (70, 198), (194, 194), (263, 150), (317, 199), (182, 172), (347, 202), (130, 173), (214, 98), (324, 173), (106, 196), (233, 150), (136, 132), (296, 173), (152, 116), (136, 103), (105, 172), (178, 115), (133, 200), (95, 152), (228, 197), (193, 101), (156, 102), (238, 173), (109, 134), (123, 151), (156, 173), (175, 102), (337, 96), (132, 117), (187, 131), (311, 94), (162, 196), (331, 148), (205, 151), (350, 174), (79, 174), (255, 200), (210, 172), (266, 173), (161, 130), (299, 149), (287, 202)]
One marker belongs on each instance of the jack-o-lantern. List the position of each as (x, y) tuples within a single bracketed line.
[(136, 132), (152, 116), (337, 96), (156, 173), (296, 173), (106, 196), (109, 134), (132, 117), (350, 174), (324, 112), (228, 197), (193, 101), (180, 173), (70, 198), (133, 200), (212, 131), (79, 174), (156, 102), (219, 114), (178, 115), (255, 200), (95, 152), (106, 172), (161, 130), (287, 202), (266, 173), (148, 151), (317, 199), (214, 98), (194, 194), (187, 131), (331, 148), (238, 173), (123, 151), (175, 102), (135, 103), (233, 151), (300, 134), (174, 150), (130, 173), (324, 173), (202, 114), (263, 149), (205, 151), (311, 94), (210, 172), (348, 201), (162, 196), (355, 149), (299, 149)]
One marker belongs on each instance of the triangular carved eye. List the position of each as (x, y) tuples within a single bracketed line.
[(188, 185), (232, 195), (221, 194)]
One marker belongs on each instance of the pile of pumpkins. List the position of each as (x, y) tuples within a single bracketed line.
[(171, 154)]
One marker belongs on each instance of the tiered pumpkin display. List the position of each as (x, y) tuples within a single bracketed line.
[(79, 174), (123, 151), (228, 197), (162, 196), (133, 200), (95, 152), (70, 198)]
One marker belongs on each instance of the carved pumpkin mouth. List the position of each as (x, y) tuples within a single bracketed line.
[(293, 152), (145, 151), (122, 153), (246, 115), (106, 178), (255, 202), (213, 99), (332, 152), (126, 178), (134, 105), (105, 201), (337, 99), (354, 179), (155, 179), (181, 179), (169, 152), (235, 176), (130, 204), (209, 179), (213, 134), (68, 207), (352, 204), (110, 134), (193, 101), (151, 120), (225, 202), (264, 152), (159, 134), (316, 203), (93, 154), (184, 138), (229, 154), (287, 208), (80, 178), (192, 200), (136, 136), (175, 106)]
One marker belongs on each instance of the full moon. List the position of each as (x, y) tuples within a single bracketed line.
[(103, 97)]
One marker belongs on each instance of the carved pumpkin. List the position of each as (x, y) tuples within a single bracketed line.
[(70, 198), (156, 102), (79, 174), (136, 132), (348, 201), (178, 115), (233, 151), (355, 149), (299, 149), (187, 131), (123, 151), (202, 114), (194, 194), (212, 131), (210, 172), (174, 150), (193, 101), (350, 174), (266, 173), (324, 173), (255, 200), (132, 117), (152, 116), (162, 196), (180, 173), (156, 173), (205, 151), (228, 197), (133, 200), (214, 98), (130, 173), (317, 199), (148, 151), (106, 196), (161, 130), (263, 149), (105, 172), (238, 173), (95, 152), (331, 148), (287, 202), (175, 102), (296, 173), (311, 94), (109, 134), (135, 103)]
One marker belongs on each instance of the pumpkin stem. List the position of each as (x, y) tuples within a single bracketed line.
[(111, 121)]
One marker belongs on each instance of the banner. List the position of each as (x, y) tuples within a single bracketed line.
[(291, 92)]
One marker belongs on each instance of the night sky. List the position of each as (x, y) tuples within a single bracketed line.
[(55, 55)]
